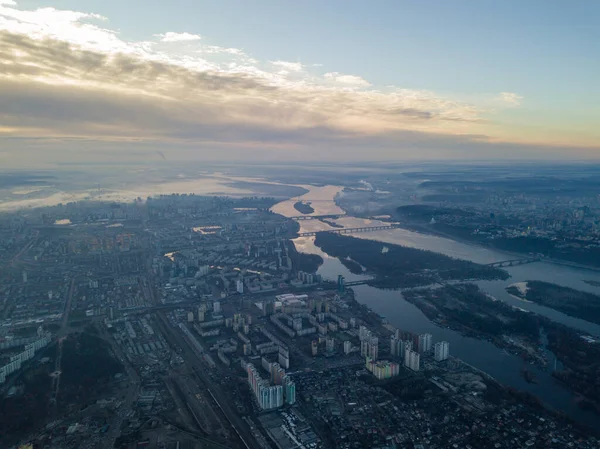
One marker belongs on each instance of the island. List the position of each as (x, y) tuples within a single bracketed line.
[(303, 208), (331, 223), (569, 301), (468, 310), (395, 266)]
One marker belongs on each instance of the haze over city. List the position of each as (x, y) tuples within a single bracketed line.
[(299, 225), (84, 81)]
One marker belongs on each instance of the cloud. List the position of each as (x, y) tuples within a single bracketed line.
[(8, 2), (178, 37), (510, 98), (214, 49), (350, 80), (65, 79), (289, 66)]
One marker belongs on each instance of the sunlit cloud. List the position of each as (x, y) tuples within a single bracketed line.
[(178, 37), (291, 66), (67, 76), (349, 80), (510, 98)]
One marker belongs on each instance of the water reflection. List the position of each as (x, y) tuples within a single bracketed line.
[(482, 354)]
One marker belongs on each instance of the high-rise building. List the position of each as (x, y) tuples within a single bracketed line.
[(284, 357), (369, 344), (267, 396), (395, 346), (200, 314), (289, 390), (382, 369), (330, 344), (425, 342), (441, 350), (217, 307), (314, 347), (190, 317), (363, 333), (347, 347), (341, 284), (374, 348), (405, 346), (412, 360), (364, 348), (240, 286), (297, 324)]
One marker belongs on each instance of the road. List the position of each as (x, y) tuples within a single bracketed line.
[(29, 244), (199, 369), (67, 311)]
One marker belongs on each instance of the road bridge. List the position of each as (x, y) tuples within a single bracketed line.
[(513, 262), (316, 217), (355, 283), (350, 230)]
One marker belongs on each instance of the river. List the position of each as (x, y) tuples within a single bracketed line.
[(482, 354)]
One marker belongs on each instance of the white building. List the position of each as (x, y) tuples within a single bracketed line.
[(347, 347), (330, 344), (217, 307), (441, 350), (240, 286), (412, 360), (268, 397), (425, 343)]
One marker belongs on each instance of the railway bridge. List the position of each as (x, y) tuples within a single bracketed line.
[(513, 262)]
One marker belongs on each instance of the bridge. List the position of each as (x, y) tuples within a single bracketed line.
[(354, 283), (350, 230), (316, 217), (513, 262)]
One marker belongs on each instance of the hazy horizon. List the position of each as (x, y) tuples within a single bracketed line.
[(82, 82)]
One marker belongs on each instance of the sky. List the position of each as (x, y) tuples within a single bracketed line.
[(233, 80)]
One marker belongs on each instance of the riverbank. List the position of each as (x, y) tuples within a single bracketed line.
[(480, 353), (433, 230), (396, 266), (569, 301), (379, 323), (468, 310)]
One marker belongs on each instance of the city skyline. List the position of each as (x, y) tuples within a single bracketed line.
[(82, 81)]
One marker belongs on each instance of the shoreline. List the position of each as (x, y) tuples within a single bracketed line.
[(519, 394), (423, 229)]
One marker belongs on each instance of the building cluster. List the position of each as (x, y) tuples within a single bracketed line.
[(382, 369), (269, 396), (416, 413), (369, 343), (15, 361), (209, 284)]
